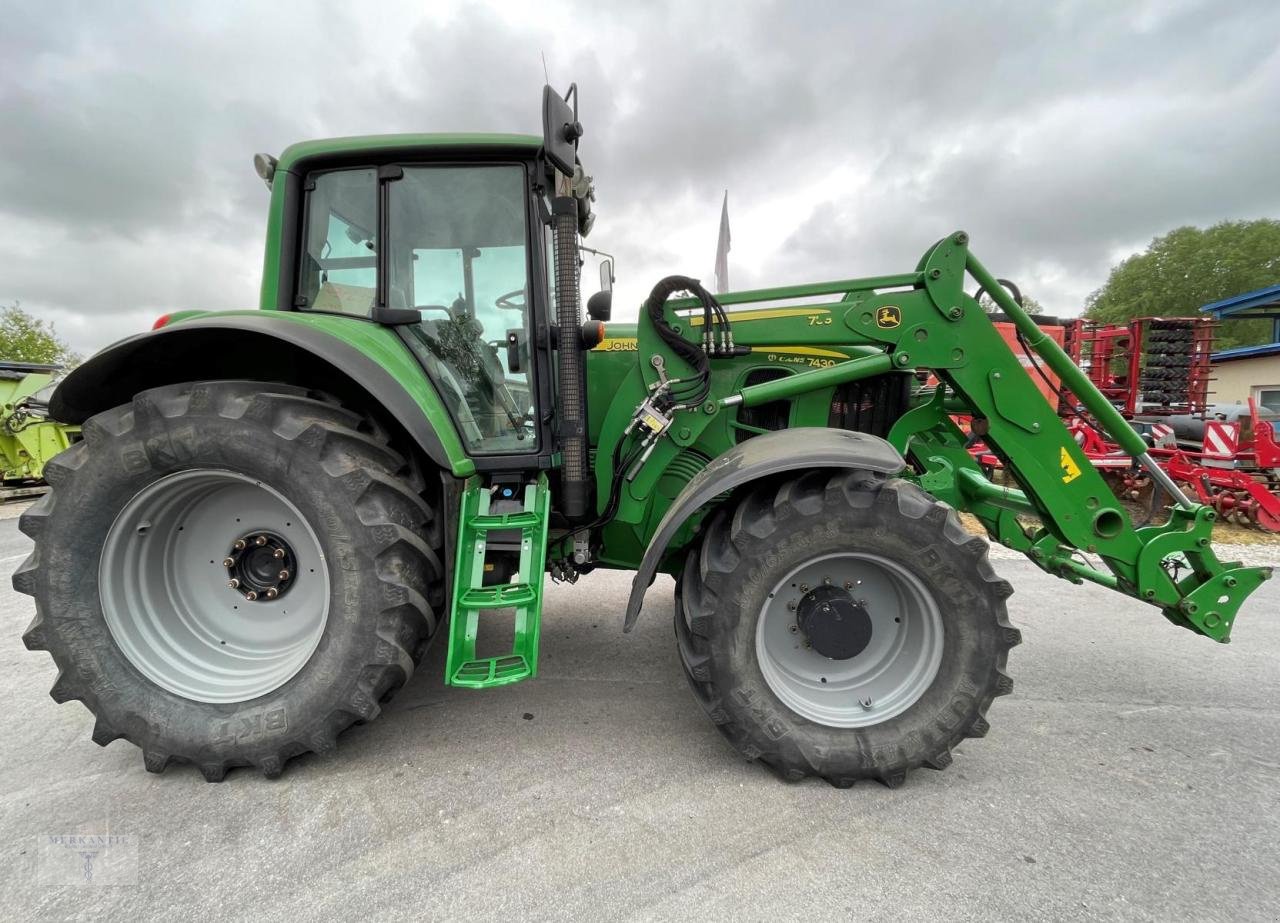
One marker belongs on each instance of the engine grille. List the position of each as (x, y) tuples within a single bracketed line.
[(871, 405)]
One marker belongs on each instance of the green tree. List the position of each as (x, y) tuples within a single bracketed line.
[(24, 338), (1029, 304), (1190, 267)]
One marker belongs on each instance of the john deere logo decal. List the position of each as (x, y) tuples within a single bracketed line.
[(889, 316)]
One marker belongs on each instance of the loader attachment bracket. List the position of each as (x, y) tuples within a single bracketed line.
[(1058, 507)]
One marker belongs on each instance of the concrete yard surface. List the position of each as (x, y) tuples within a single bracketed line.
[(1133, 774)]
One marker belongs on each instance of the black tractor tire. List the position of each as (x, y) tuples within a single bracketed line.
[(362, 500), (748, 547)]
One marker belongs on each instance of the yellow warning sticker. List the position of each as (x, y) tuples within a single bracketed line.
[(1070, 470)]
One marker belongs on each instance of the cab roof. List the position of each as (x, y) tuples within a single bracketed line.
[(373, 145)]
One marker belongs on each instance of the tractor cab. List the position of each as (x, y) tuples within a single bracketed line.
[(447, 248), (451, 241)]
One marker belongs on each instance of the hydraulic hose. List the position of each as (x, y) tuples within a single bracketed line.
[(691, 353)]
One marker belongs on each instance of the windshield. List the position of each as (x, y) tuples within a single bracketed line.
[(458, 255)]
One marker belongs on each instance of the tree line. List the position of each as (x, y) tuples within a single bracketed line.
[(1183, 270), (26, 338), (1189, 267)]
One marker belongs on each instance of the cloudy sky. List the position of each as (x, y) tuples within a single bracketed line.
[(850, 135)]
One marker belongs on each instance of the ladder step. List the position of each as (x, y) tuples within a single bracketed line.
[(522, 550), (491, 671), (509, 521), (504, 596)]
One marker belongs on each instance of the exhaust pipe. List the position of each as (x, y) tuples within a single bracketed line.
[(575, 479)]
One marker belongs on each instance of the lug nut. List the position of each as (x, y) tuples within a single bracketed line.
[(284, 575), (251, 595), (260, 540), (238, 545), (278, 554), (234, 584), (227, 562), (272, 592)]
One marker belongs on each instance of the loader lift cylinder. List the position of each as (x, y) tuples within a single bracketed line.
[(574, 484)]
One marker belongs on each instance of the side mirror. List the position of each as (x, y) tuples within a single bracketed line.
[(560, 129), (606, 275), (600, 306)]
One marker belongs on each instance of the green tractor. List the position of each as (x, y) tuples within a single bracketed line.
[(273, 512)]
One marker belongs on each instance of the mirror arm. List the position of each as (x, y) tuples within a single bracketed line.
[(607, 261)]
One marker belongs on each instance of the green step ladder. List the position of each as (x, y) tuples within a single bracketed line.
[(472, 599)]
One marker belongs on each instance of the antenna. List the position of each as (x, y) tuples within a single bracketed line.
[(544, 66)]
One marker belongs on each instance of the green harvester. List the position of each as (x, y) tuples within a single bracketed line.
[(28, 437)]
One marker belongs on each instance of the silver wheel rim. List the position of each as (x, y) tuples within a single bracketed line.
[(164, 587), (897, 666)]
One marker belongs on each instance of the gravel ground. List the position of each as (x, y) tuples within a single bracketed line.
[(1134, 774), (13, 509)]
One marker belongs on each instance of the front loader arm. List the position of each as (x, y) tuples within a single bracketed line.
[(935, 325)]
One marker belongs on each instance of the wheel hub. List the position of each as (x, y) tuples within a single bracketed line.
[(260, 566), (836, 625), (849, 639), (163, 574)]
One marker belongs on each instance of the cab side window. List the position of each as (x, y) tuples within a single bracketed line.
[(338, 270)]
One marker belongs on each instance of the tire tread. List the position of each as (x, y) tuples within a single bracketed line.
[(350, 445), (713, 560)]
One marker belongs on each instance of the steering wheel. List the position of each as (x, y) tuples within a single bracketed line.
[(504, 301)]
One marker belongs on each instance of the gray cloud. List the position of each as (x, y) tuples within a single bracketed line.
[(850, 136)]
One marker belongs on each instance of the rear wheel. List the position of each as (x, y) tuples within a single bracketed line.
[(231, 573), (844, 626)]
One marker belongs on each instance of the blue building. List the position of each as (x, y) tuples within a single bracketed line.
[(1248, 371)]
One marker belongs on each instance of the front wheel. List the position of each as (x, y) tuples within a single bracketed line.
[(845, 626), (230, 573)]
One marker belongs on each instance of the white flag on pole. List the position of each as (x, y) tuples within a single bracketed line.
[(722, 248)]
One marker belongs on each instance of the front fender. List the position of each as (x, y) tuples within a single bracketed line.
[(785, 450), (358, 361)]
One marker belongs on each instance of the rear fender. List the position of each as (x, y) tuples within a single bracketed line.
[(801, 448), (359, 362)]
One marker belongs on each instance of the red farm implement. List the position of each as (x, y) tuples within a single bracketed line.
[(1156, 372), (1151, 365)]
